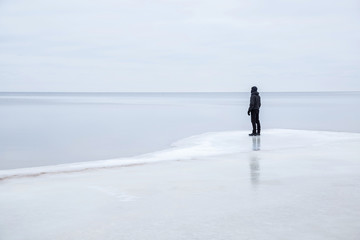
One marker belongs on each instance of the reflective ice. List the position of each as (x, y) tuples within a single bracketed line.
[(298, 185)]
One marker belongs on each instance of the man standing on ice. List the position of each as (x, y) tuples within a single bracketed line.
[(255, 103)]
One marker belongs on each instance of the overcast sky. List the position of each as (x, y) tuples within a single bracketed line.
[(179, 45)]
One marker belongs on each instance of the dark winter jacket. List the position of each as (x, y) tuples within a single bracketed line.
[(255, 101)]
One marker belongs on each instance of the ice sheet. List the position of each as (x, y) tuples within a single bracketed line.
[(285, 184)]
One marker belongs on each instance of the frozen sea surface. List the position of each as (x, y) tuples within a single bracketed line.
[(286, 184)]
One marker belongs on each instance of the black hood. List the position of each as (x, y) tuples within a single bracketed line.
[(253, 89)]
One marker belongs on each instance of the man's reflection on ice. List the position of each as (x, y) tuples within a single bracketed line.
[(256, 143), (254, 161)]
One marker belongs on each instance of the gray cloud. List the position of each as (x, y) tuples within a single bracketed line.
[(173, 45)]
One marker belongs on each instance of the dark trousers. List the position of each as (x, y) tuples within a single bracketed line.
[(255, 121)]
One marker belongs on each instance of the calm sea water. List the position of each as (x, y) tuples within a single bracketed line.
[(52, 128)]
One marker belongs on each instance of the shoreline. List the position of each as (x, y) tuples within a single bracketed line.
[(198, 146)]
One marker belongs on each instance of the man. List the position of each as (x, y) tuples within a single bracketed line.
[(255, 103)]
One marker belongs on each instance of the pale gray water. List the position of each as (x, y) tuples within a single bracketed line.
[(53, 128)]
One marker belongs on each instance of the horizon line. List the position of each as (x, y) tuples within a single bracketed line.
[(175, 91)]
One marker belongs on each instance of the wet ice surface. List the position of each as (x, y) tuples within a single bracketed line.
[(285, 184)]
